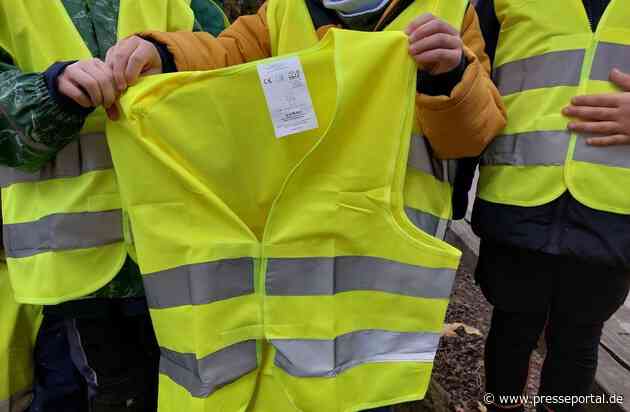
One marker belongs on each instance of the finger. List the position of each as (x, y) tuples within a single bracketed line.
[(591, 113), (618, 139), (621, 79), (112, 112), (605, 128), (88, 84), (419, 21), (120, 60), (430, 28), (436, 41), (70, 90), (596, 100), (106, 81), (433, 57), (135, 65)]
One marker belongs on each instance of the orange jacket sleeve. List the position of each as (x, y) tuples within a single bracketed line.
[(244, 41), (459, 125), (462, 124)]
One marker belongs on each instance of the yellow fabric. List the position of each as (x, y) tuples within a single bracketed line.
[(534, 28), (54, 277), (18, 329), (230, 189), (291, 29)]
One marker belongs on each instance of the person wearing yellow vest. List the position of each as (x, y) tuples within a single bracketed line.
[(552, 209), (63, 227), (457, 105)]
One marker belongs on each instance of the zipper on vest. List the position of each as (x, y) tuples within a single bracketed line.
[(589, 14)]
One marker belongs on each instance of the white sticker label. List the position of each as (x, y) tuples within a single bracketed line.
[(288, 99)]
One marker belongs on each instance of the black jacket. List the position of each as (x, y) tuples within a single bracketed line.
[(564, 226)]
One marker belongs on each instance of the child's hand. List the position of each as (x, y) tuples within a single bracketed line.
[(90, 83), (434, 44), (606, 115), (131, 58)]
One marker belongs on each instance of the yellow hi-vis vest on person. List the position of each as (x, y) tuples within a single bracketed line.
[(282, 274), (547, 54), (19, 325), (63, 226), (428, 185)]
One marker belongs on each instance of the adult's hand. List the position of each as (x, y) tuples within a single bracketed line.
[(435, 45), (607, 115)]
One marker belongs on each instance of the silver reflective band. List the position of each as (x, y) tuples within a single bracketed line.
[(331, 275), (421, 159), (428, 223), (561, 68), (18, 402), (87, 154), (528, 149), (329, 358), (66, 231), (614, 156), (610, 56), (202, 377), (200, 284)]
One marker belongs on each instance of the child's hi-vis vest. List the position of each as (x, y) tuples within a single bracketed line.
[(266, 202)]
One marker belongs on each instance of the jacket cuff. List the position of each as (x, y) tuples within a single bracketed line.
[(51, 75), (168, 60), (441, 84)]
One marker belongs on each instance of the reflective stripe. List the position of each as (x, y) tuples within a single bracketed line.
[(331, 275), (87, 154), (427, 222), (329, 358), (528, 149), (421, 159), (200, 284), (203, 377), (62, 232), (561, 68), (17, 402), (615, 156), (610, 56)]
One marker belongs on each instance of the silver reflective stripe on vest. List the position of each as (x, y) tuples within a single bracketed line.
[(329, 358), (202, 377), (614, 156), (18, 402), (87, 154), (428, 223), (331, 275), (59, 232), (200, 284), (421, 159), (528, 149), (561, 68), (610, 56)]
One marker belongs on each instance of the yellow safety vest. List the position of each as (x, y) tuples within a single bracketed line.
[(63, 226), (547, 53), (19, 325), (283, 274), (428, 185)]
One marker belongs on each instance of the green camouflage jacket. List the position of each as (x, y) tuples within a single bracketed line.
[(33, 128)]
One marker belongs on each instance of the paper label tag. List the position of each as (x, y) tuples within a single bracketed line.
[(288, 99)]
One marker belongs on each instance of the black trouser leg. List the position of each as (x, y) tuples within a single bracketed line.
[(511, 341)]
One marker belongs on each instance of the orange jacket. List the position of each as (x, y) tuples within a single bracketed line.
[(459, 125)]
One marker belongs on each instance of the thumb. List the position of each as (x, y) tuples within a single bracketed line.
[(621, 79)]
